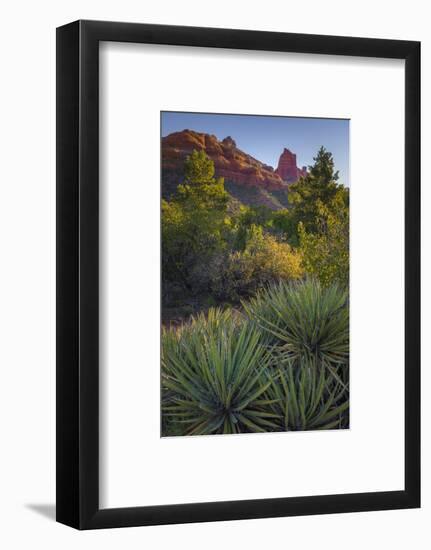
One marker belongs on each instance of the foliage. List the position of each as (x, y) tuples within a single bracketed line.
[(307, 396), (263, 260), (221, 375), (326, 252), (284, 223), (194, 222), (217, 251), (201, 191), (198, 169), (317, 189), (281, 360), (211, 377), (304, 319), (246, 221), (318, 221)]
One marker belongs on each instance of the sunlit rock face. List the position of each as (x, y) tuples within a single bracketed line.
[(287, 168)]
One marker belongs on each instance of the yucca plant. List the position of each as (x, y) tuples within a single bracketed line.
[(212, 373), (306, 396), (304, 320)]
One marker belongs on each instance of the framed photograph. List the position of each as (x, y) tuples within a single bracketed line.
[(238, 274)]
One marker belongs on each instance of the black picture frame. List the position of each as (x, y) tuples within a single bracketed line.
[(78, 274)]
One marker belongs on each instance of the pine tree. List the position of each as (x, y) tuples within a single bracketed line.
[(194, 221), (317, 191)]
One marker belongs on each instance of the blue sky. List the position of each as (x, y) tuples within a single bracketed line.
[(265, 137)]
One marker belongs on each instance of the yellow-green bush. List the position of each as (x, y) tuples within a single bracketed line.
[(264, 260)]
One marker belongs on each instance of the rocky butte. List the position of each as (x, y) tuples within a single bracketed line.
[(247, 179), (287, 168)]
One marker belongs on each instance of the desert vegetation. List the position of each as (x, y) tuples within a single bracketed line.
[(255, 306)]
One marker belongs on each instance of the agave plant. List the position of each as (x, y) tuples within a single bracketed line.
[(304, 320), (212, 373), (306, 396)]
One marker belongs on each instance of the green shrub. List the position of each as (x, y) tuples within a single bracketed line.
[(283, 365), (212, 373), (304, 320)]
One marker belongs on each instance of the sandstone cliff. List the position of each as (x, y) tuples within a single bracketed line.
[(246, 178)]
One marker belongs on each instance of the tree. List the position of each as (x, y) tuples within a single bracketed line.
[(193, 222), (245, 220), (198, 169), (325, 252), (315, 193), (200, 189), (284, 224)]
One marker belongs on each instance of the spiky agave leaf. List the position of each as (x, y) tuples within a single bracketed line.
[(305, 396), (212, 377), (304, 319)]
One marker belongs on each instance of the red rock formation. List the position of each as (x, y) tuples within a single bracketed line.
[(287, 168), (229, 161), (235, 166)]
